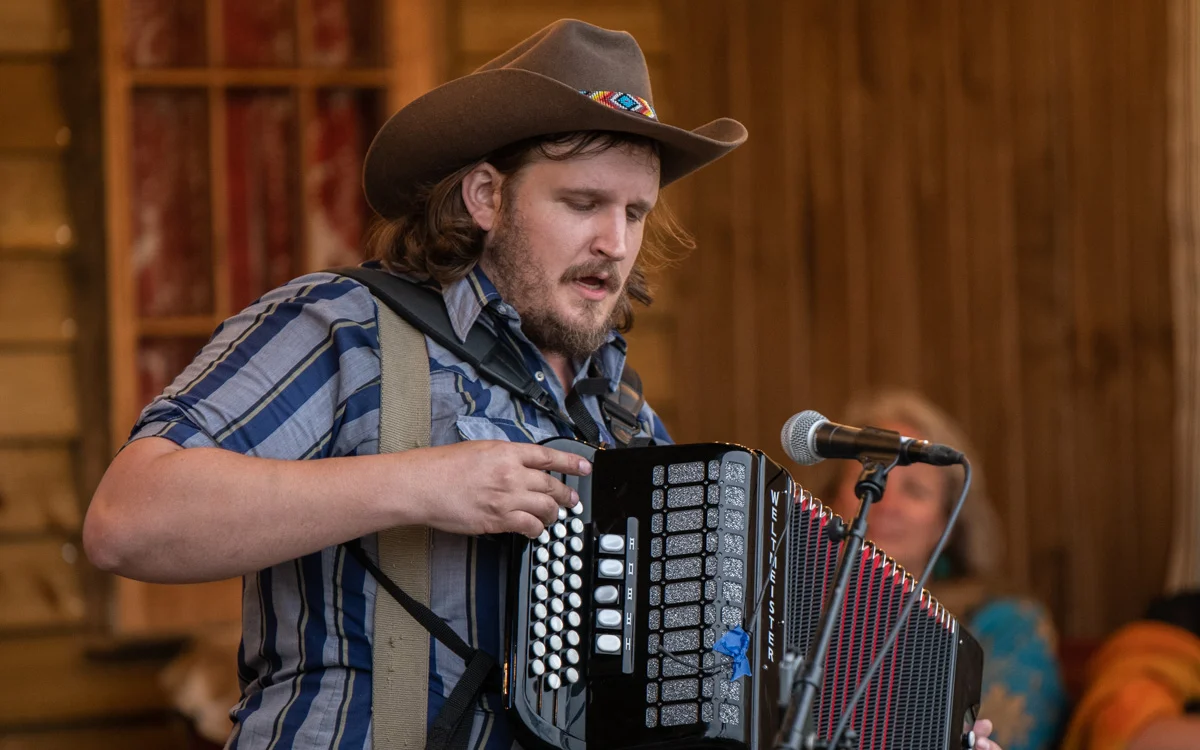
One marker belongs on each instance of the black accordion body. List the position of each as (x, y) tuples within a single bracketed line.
[(618, 613)]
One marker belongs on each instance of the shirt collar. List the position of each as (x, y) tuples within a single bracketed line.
[(466, 298)]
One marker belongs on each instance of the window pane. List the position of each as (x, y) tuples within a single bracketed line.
[(259, 33), (263, 174), (165, 33), (336, 210), (346, 33), (160, 361), (171, 221)]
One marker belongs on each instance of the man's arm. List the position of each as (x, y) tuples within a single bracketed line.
[(168, 514)]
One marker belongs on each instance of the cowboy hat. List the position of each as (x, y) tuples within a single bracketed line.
[(570, 76)]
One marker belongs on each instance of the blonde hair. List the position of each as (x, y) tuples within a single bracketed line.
[(976, 546)]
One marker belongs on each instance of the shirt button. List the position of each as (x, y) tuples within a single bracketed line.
[(539, 376), (502, 308)]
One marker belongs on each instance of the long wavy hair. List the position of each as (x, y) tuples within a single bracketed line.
[(435, 236)]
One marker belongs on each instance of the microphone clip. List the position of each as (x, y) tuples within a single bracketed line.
[(873, 480)]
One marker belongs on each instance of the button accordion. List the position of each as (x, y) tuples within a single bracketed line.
[(618, 608)]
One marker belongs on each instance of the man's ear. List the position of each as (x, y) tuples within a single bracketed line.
[(481, 194)]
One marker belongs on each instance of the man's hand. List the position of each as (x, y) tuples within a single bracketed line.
[(983, 730), (490, 486)]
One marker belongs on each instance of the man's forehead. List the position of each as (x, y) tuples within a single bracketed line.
[(619, 166)]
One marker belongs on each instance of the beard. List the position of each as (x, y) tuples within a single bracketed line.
[(531, 293)]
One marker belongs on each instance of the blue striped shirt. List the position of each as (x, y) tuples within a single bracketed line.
[(296, 376)]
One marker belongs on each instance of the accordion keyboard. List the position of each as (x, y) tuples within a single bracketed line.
[(617, 607)]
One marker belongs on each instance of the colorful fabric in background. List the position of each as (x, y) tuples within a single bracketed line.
[(1023, 693), (1146, 671)]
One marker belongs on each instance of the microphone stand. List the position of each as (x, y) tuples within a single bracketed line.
[(798, 730)]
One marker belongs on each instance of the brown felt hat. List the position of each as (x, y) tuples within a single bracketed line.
[(570, 76)]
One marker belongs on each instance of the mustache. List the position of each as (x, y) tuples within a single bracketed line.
[(595, 268)]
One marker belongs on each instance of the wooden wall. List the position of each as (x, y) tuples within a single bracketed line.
[(962, 198), (61, 683), (40, 411)]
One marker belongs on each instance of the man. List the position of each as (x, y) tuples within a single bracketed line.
[(523, 192)]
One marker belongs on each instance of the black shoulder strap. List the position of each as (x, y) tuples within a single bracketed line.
[(451, 729), (484, 349), (425, 310), (620, 409)]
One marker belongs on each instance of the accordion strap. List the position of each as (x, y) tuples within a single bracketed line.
[(450, 728), (400, 651)]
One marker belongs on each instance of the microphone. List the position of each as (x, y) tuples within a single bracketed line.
[(808, 438)]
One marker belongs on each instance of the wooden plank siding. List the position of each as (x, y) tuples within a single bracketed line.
[(968, 199)]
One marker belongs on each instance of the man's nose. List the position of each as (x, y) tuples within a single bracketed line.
[(610, 239)]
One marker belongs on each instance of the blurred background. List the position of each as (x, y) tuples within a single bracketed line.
[(991, 203)]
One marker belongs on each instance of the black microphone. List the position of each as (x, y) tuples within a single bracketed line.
[(808, 438)]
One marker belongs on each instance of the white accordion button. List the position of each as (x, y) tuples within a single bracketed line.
[(539, 611), (574, 620), (556, 606), (604, 594), (576, 563), (556, 624), (608, 618), (559, 549), (558, 587), (612, 568), (557, 568), (544, 537), (562, 513), (537, 667), (608, 644), (572, 676), (576, 526), (577, 509), (556, 643), (572, 656), (554, 662), (541, 573), (575, 600), (541, 592), (539, 649), (572, 638), (554, 682), (560, 530), (576, 544), (542, 555), (575, 582), (612, 543), (539, 630)]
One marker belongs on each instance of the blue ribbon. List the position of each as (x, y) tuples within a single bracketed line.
[(735, 644)]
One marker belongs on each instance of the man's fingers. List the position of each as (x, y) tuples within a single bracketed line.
[(537, 504), (983, 728), (521, 522), (548, 459), (548, 485)]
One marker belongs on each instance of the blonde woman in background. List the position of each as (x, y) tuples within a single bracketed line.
[(1023, 691)]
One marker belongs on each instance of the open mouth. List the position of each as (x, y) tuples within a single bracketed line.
[(595, 283), (594, 287)]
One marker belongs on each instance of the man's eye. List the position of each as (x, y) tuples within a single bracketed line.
[(581, 206), (634, 216)]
